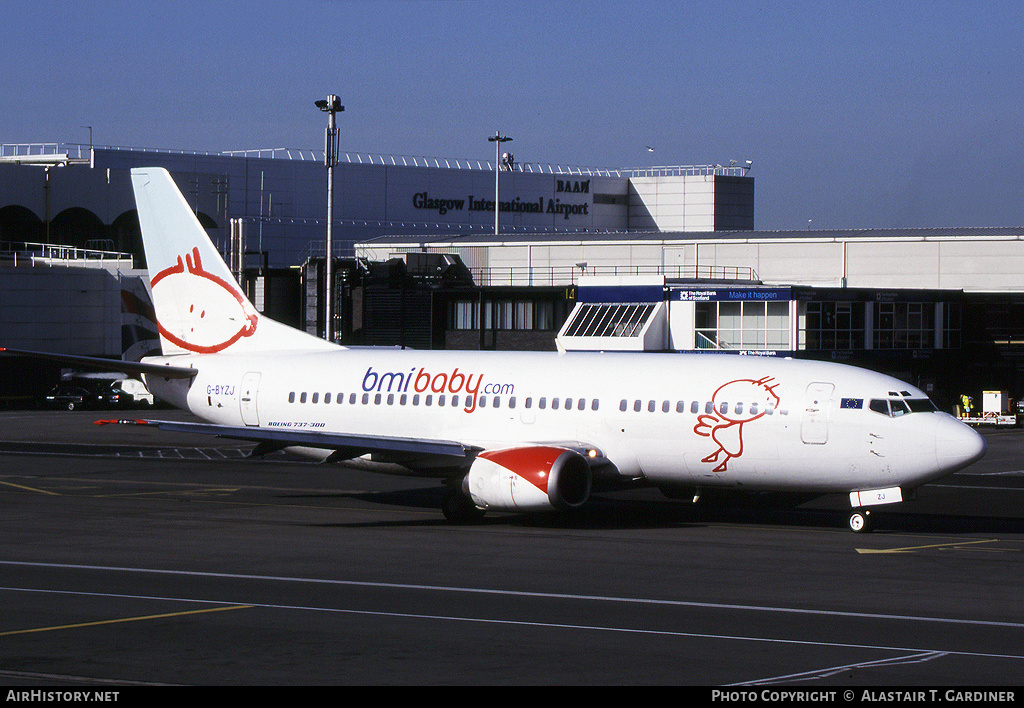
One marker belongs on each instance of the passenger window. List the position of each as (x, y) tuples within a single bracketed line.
[(316, 397), (723, 408), (512, 402), (554, 404), (483, 401), (327, 398), (352, 399), (709, 407), (542, 403), (416, 399), (403, 399), (377, 399), (291, 397), (594, 404), (753, 408), (440, 400), (496, 402), (366, 399), (665, 406), (637, 405), (680, 406), (623, 404), (529, 402), (455, 401), (695, 407), (302, 397), (429, 400)]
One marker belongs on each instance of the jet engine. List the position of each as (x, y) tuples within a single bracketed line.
[(529, 479)]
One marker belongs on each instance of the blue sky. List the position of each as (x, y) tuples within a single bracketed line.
[(856, 114)]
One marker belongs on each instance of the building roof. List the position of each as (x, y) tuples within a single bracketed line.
[(515, 238)]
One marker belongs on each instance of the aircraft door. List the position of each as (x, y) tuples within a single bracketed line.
[(247, 399), (814, 423)]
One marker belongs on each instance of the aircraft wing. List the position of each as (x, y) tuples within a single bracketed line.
[(128, 367), (343, 446)]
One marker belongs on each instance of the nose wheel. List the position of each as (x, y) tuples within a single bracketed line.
[(860, 521)]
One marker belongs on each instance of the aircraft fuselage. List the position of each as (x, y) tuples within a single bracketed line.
[(671, 419)]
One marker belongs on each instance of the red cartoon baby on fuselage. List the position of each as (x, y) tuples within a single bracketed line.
[(747, 400), (209, 313)]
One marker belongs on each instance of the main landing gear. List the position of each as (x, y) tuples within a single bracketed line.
[(861, 521), (460, 509)]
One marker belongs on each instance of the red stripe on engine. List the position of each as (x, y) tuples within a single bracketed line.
[(531, 463)]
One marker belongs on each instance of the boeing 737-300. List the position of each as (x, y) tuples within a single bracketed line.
[(526, 431)]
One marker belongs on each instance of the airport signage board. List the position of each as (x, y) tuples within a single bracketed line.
[(620, 293), (443, 205), (737, 293)]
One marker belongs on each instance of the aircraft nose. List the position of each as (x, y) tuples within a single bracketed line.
[(958, 445)]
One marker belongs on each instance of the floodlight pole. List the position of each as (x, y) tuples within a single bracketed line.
[(497, 139), (331, 106)]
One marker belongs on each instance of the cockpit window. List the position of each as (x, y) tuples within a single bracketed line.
[(898, 407), (895, 407), (921, 405)]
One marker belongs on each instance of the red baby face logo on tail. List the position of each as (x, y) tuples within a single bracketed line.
[(747, 400), (198, 310)]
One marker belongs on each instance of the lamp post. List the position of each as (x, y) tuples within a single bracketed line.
[(497, 139), (331, 106)]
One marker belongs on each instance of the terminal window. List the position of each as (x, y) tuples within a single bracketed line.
[(742, 325), (904, 325), (951, 314), (503, 314), (834, 325), (609, 320)]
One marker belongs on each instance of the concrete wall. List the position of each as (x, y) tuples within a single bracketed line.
[(62, 310), (976, 260), (691, 203)]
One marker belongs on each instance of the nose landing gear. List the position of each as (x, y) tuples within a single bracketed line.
[(860, 521)]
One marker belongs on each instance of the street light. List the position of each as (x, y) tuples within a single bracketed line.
[(331, 106), (497, 139)]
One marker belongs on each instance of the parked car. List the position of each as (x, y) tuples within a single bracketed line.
[(89, 392), (68, 396), (111, 397)]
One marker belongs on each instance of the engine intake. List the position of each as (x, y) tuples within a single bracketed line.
[(529, 479)]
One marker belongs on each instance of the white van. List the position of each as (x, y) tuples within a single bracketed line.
[(137, 390)]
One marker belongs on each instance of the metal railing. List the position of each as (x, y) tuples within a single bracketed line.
[(72, 150), (704, 342), (451, 163), (29, 254), (82, 151), (570, 275)]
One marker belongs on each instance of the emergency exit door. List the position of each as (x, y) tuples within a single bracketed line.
[(247, 399)]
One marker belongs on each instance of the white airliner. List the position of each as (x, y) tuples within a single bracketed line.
[(526, 431)]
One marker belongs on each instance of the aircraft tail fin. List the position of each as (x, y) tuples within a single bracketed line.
[(199, 306)]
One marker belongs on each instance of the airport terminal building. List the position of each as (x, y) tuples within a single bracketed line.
[(656, 259)]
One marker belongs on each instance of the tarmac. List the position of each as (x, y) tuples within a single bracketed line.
[(131, 557)]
